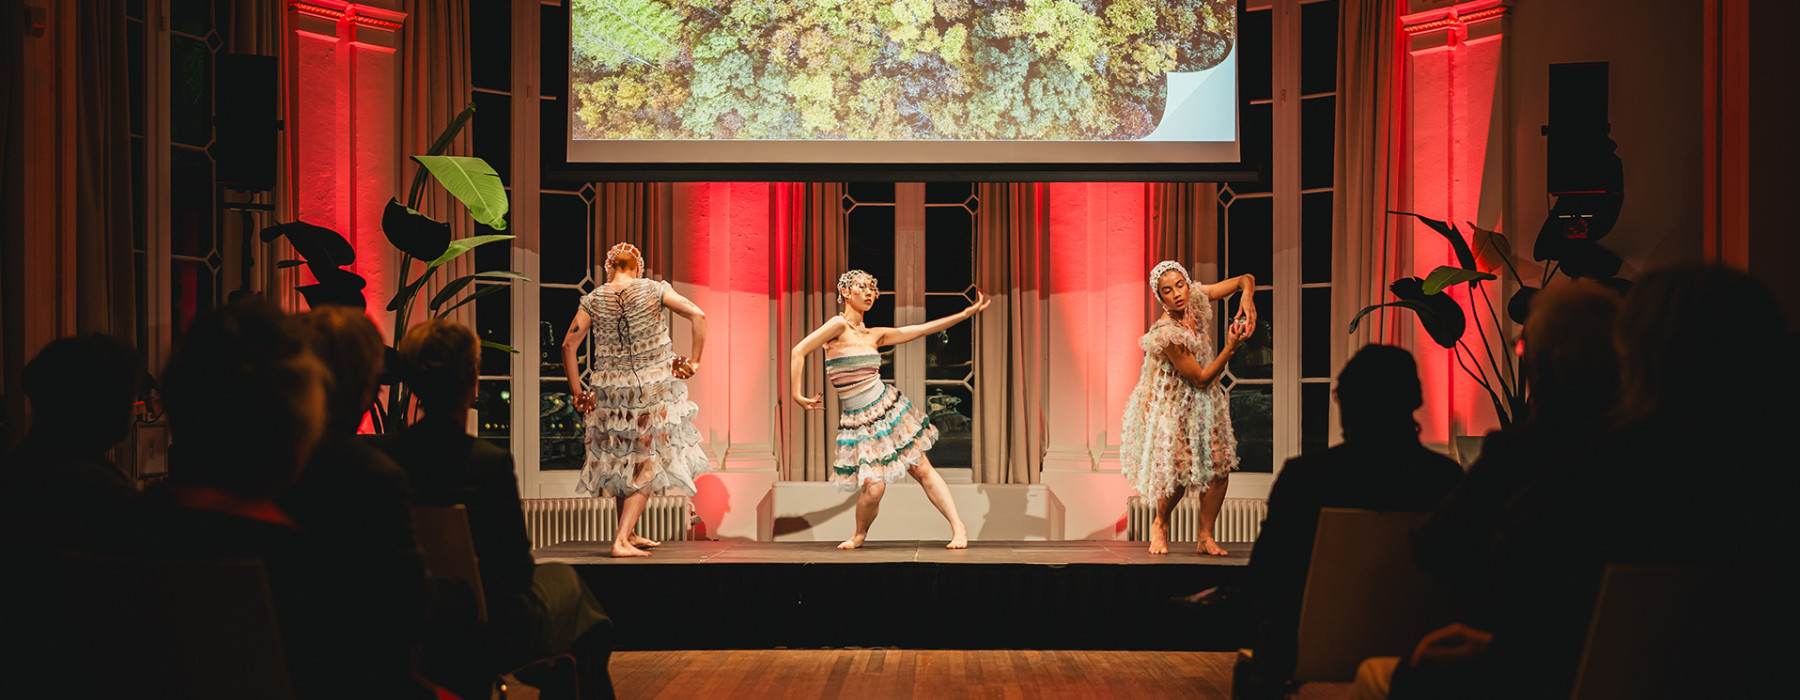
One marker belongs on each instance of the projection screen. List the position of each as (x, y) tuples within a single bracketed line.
[(902, 81)]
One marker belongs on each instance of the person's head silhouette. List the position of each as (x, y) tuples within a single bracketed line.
[(83, 391), (1377, 392)]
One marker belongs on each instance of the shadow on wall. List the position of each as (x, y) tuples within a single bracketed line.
[(1007, 515), (807, 521), (711, 502)]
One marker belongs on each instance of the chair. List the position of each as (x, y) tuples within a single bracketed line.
[(1364, 595), (1682, 632), (449, 549), (176, 628)]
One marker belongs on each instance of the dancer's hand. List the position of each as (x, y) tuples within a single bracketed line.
[(584, 402), (812, 403), (1247, 315), (1235, 335), (684, 368), (981, 303)]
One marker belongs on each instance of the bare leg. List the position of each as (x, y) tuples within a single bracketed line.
[(939, 493), (1210, 502), (636, 539), (1159, 527), (868, 504), (631, 508)]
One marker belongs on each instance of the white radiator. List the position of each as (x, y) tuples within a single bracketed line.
[(1240, 519), (556, 520)]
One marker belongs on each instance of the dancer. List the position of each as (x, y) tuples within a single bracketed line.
[(1177, 433), (881, 435), (640, 423)]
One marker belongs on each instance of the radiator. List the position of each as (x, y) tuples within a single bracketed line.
[(1239, 519), (555, 520)]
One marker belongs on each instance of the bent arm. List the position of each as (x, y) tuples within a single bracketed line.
[(833, 327), (578, 330), (1190, 369), (1227, 287), (688, 310)]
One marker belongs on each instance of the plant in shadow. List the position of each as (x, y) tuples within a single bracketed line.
[(420, 239)]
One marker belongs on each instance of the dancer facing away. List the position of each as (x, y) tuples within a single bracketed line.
[(1177, 433), (881, 435), (640, 423)]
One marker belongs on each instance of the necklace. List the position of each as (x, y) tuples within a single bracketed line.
[(858, 327)]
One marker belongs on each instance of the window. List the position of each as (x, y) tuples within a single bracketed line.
[(490, 132), (1279, 229), (893, 230)]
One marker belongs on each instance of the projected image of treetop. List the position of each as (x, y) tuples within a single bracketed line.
[(1069, 70)]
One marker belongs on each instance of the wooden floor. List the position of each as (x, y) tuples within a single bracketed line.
[(934, 674), (1054, 553)]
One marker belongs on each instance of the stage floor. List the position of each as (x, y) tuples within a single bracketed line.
[(897, 551), (911, 594)]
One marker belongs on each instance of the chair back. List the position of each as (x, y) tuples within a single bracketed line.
[(1364, 595), (449, 548), (1681, 632), (176, 628)]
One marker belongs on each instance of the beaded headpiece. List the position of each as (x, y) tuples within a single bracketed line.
[(624, 249), (854, 278), (1156, 273)]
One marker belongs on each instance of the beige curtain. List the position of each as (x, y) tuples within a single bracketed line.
[(635, 213), (105, 279), (1011, 363), (1366, 250), (810, 254), (435, 87), (1184, 227)]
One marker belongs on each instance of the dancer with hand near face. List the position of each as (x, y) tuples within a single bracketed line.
[(1177, 434), (881, 434)]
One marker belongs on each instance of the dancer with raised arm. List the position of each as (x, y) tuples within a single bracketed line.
[(1177, 435), (640, 423), (881, 434)]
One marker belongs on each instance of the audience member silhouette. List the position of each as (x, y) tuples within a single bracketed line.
[(355, 501), (535, 610), (1381, 465), (1706, 384), (59, 481)]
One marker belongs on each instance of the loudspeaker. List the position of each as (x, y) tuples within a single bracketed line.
[(247, 120), (1580, 158)]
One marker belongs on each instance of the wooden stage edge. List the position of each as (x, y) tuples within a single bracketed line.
[(1045, 553)]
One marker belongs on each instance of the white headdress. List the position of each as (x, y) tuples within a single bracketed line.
[(1156, 273), (853, 278), (623, 249)]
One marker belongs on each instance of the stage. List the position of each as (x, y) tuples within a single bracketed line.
[(910, 594)]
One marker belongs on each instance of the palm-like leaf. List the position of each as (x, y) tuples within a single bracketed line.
[(474, 183), (1464, 256), (414, 233), (456, 285), (464, 245), (1447, 276)]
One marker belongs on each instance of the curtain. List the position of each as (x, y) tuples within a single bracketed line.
[(435, 87), (1011, 357), (1184, 227), (810, 241), (635, 213), (1366, 251), (105, 279)]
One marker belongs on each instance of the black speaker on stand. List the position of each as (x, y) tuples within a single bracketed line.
[(247, 119), (1583, 172)]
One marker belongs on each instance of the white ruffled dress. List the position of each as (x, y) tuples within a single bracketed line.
[(880, 433), (642, 415), (1175, 435)]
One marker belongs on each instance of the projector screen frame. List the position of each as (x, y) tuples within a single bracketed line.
[(559, 169)]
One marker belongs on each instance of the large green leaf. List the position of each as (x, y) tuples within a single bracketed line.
[(1464, 256), (473, 182), (335, 287), (464, 245), (1445, 321), (322, 248), (408, 290), (413, 233), (1446, 276), (456, 285), (477, 294), (497, 346)]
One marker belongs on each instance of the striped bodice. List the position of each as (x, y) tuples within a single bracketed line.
[(854, 375)]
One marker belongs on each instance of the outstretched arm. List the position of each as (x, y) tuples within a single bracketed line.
[(578, 330), (697, 318), (833, 327), (1242, 283), (896, 336)]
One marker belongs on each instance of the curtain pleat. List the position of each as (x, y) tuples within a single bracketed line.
[(1011, 357), (1184, 227), (105, 278), (810, 243), (436, 88), (635, 213), (1367, 249)]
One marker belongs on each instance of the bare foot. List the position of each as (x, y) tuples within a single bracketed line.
[(645, 542), (1159, 537), (959, 538), (624, 549), (855, 542), (1210, 546)]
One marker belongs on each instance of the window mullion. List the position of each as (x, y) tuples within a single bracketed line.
[(1285, 171)]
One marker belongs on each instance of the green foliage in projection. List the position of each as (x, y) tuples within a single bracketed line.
[(885, 69)]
